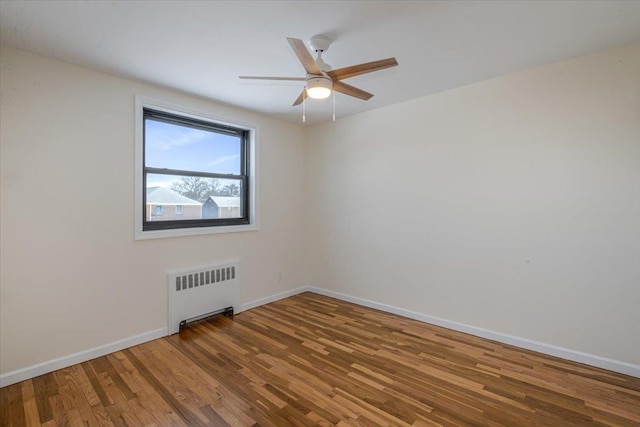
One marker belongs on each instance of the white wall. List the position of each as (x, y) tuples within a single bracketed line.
[(73, 278), (511, 204)]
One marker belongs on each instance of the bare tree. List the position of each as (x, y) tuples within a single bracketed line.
[(214, 187), (193, 187), (201, 189), (230, 190)]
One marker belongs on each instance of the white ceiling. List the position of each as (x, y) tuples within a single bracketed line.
[(201, 47)]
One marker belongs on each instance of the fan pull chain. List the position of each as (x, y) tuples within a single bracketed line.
[(304, 102), (334, 105)]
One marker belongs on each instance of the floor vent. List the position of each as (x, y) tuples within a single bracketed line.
[(197, 293)]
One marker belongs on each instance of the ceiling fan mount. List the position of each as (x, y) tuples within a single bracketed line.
[(320, 43), (321, 80)]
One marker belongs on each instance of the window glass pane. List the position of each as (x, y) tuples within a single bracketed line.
[(178, 147), (211, 161), (199, 198)]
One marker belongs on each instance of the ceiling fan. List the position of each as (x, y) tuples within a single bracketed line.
[(321, 80)]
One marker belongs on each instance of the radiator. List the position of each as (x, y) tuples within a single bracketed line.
[(196, 293)]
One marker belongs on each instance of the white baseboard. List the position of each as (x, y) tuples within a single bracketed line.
[(273, 298), (82, 356), (576, 356), (552, 350)]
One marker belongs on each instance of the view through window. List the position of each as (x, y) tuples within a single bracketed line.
[(195, 172)]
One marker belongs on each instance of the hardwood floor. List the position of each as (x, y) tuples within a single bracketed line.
[(312, 360)]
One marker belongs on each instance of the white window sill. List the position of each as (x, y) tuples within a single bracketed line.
[(197, 231)]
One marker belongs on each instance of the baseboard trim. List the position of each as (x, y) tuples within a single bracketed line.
[(552, 350), (273, 298), (82, 356)]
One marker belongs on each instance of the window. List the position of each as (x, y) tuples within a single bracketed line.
[(191, 167)]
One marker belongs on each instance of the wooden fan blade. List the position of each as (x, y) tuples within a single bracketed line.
[(296, 79), (300, 98), (304, 56), (351, 91), (356, 70)]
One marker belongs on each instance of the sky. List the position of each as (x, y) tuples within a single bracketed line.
[(180, 147)]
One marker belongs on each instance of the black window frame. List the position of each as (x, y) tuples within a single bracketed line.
[(202, 124)]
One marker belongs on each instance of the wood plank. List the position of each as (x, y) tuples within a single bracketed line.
[(30, 406)]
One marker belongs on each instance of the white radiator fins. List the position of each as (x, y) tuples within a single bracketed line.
[(199, 292)]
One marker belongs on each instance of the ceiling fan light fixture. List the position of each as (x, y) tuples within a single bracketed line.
[(319, 87)]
